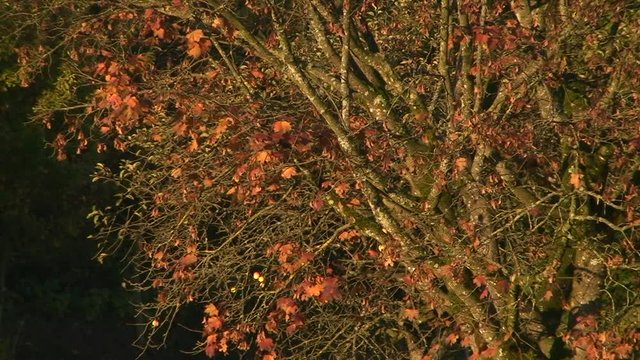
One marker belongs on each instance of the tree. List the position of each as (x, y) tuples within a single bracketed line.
[(357, 179)]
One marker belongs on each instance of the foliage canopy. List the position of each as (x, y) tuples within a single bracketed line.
[(364, 179)]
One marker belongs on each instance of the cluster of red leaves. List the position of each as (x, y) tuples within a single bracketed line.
[(585, 338)]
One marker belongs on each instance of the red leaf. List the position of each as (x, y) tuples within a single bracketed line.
[(288, 305), (451, 339), (188, 259), (257, 73), (480, 280), (313, 290), (265, 343), (623, 350), (213, 323), (211, 347), (330, 290), (482, 38)]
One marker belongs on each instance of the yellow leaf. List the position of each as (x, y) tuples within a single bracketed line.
[(211, 310)]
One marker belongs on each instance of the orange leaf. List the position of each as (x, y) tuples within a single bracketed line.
[(451, 339), (313, 290), (269, 356), (288, 305), (480, 280), (195, 35), (211, 347), (188, 259), (176, 173), (194, 50), (548, 295), (576, 180), (193, 146), (330, 290), (214, 323), (131, 101), (263, 156), (211, 310), (461, 163), (265, 343), (257, 73), (289, 172), (411, 314), (281, 126)]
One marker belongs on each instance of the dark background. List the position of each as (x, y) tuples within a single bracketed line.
[(56, 300)]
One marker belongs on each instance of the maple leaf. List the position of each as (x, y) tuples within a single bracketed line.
[(451, 339), (176, 173), (269, 356), (193, 146), (480, 280), (195, 35), (257, 73), (289, 172), (194, 50), (288, 305), (623, 350), (461, 163), (341, 189), (265, 343), (281, 126), (213, 323), (211, 310), (211, 345), (263, 156), (348, 234), (188, 259), (330, 290), (576, 180), (317, 203), (484, 293), (312, 290), (411, 314)]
